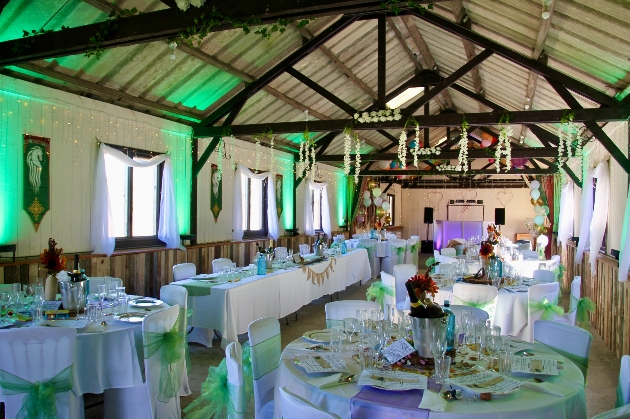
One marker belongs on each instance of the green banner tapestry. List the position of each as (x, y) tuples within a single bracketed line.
[(36, 178), (279, 185), (216, 192)]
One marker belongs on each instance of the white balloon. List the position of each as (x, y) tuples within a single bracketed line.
[(385, 205), (538, 209), (383, 165), (539, 219), (367, 202), (378, 201), (376, 192), (535, 184), (366, 194), (535, 193)]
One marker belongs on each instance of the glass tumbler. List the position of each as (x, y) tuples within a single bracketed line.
[(505, 362), (336, 339), (442, 369)]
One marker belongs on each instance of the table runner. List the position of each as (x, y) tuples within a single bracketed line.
[(196, 289), (371, 403)]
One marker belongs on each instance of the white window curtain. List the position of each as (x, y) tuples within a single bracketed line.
[(567, 210), (586, 214), (598, 224), (309, 228), (624, 247), (103, 240), (240, 178)]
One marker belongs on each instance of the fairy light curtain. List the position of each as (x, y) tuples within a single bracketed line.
[(309, 228), (103, 239), (240, 178)]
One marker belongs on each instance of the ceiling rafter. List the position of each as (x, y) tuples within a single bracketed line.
[(520, 152)]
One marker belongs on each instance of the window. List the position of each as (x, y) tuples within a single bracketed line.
[(254, 208), (134, 194), (391, 199), (317, 209)]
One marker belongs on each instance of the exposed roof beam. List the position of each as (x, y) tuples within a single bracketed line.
[(403, 44), (170, 3), (525, 171), (102, 5), (381, 60), (521, 152)]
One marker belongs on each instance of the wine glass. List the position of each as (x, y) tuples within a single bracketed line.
[(350, 326), (493, 344), (5, 299), (101, 295)]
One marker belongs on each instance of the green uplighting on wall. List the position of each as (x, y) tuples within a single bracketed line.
[(287, 195), (342, 194)]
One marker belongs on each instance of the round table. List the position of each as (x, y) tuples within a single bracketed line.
[(524, 404)]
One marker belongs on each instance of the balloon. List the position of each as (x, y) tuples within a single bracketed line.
[(378, 201), (533, 201), (486, 143), (537, 209), (519, 163), (376, 192), (367, 202), (490, 160), (371, 184), (380, 212), (401, 177), (383, 164), (360, 218), (535, 184), (412, 144), (393, 165), (535, 193), (539, 201), (539, 219), (387, 219), (545, 209), (545, 230), (366, 194), (385, 205)]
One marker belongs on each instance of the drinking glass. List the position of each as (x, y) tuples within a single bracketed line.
[(495, 330), (123, 304), (39, 290), (37, 314), (350, 327), (101, 294), (442, 369), (366, 357), (336, 338), (505, 343), (505, 362), (5, 299), (108, 283), (92, 312), (16, 290), (493, 344)]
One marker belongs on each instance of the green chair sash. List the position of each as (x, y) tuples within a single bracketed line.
[(579, 361), (550, 310), (370, 249), (186, 316), (619, 402), (400, 253), (172, 345), (378, 291), (246, 360), (39, 401), (216, 397), (267, 354), (414, 252), (583, 306), (488, 306)]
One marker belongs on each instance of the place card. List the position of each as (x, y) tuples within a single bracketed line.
[(398, 350), (486, 382), (321, 363), (50, 305), (392, 380), (535, 365)]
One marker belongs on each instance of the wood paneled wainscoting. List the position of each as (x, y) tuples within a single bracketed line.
[(145, 271)]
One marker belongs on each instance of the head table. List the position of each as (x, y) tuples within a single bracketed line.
[(340, 399)]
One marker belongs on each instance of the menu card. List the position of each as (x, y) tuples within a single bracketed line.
[(535, 365), (321, 363), (486, 382), (392, 380), (398, 350), (519, 345), (50, 305)]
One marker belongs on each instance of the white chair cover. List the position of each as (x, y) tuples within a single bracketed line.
[(474, 295), (219, 264), (336, 311), (370, 246), (529, 254), (576, 289), (280, 252), (622, 412), (295, 407), (571, 341), (265, 348), (543, 275), (305, 248), (390, 300), (436, 254), (478, 313), (95, 281), (398, 248), (402, 273), (236, 383), (623, 394), (411, 257), (39, 354), (171, 295), (141, 401), (183, 271), (536, 294), (448, 251)]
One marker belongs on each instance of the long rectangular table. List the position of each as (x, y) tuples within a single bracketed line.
[(231, 307)]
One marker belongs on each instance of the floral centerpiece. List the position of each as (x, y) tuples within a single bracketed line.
[(54, 262), (486, 251), (419, 287)]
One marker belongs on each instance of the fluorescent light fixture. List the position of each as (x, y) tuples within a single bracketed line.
[(404, 97)]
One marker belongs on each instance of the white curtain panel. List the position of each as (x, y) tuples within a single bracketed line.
[(586, 211), (241, 175), (103, 240), (567, 210), (624, 251), (598, 224), (309, 228)]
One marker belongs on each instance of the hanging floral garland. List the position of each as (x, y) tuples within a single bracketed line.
[(402, 149), (357, 167), (257, 164), (220, 155), (268, 134), (232, 152), (312, 170), (569, 136), (347, 147), (503, 146), (463, 148), (378, 116), (273, 151)]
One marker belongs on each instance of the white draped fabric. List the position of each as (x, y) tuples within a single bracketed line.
[(242, 173), (586, 214), (309, 228), (103, 240), (598, 224), (567, 210), (624, 251)]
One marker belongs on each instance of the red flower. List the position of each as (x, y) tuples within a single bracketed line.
[(424, 283), (486, 250), (52, 258)]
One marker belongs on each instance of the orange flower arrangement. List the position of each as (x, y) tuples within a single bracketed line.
[(52, 258), (423, 284), (486, 250)]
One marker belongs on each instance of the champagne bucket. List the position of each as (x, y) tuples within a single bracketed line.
[(422, 330), (269, 260), (73, 296), (319, 250)]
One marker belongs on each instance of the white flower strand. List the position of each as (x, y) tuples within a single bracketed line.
[(300, 166), (272, 155), (378, 116), (568, 133), (312, 171), (504, 148), (257, 155), (357, 167), (220, 160), (448, 168), (347, 146), (463, 151), (402, 149), (232, 153)]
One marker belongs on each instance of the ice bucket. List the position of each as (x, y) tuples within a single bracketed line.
[(422, 330), (73, 296), (319, 249), (269, 260)]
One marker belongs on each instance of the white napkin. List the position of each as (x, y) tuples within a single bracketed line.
[(548, 388), (432, 401), (328, 381), (94, 328)]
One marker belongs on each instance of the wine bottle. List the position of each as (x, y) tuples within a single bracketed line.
[(75, 276), (270, 250), (418, 308)]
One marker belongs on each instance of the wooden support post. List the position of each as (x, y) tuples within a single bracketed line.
[(382, 60)]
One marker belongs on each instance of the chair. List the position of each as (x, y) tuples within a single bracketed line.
[(542, 275), (622, 412), (295, 407), (623, 391), (478, 313), (236, 382), (171, 295), (339, 310), (570, 341), (529, 254), (396, 255), (474, 295), (280, 252), (535, 295), (370, 246), (95, 281), (264, 340), (576, 289), (390, 300), (142, 401), (524, 245), (219, 264), (402, 273), (183, 271), (413, 247), (38, 355), (305, 248), (448, 251)]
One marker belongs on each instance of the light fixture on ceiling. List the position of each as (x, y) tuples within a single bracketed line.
[(527, 100), (522, 138), (545, 10), (404, 97), (172, 47)]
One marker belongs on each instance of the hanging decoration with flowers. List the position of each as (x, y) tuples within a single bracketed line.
[(504, 147), (347, 147), (402, 149), (570, 137), (463, 148), (378, 116), (258, 150), (357, 167), (232, 151), (268, 134)]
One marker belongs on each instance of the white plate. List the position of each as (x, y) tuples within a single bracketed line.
[(320, 336), (146, 302), (206, 276), (61, 323), (132, 317)]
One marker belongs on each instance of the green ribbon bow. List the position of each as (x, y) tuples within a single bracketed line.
[(40, 401), (248, 377), (370, 249), (172, 344), (189, 312), (583, 306), (550, 310), (414, 252), (488, 306), (378, 291), (400, 253), (559, 271)]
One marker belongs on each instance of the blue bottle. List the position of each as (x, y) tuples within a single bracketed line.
[(344, 248), (261, 265), (450, 326)]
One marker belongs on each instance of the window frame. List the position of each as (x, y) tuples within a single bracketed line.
[(321, 223), (129, 241), (392, 207), (264, 232)]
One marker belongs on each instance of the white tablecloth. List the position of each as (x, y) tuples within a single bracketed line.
[(525, 267), (524, 404), (231, 307)]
